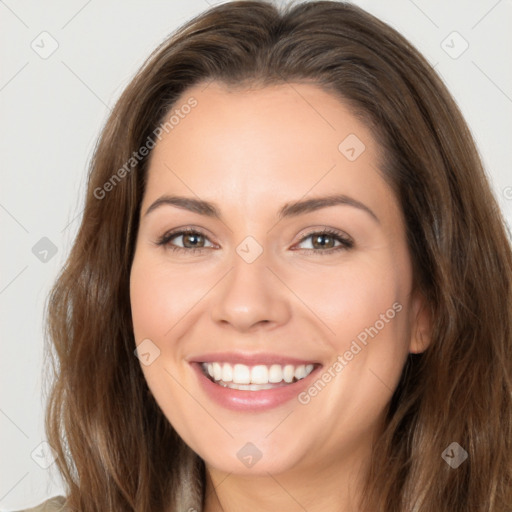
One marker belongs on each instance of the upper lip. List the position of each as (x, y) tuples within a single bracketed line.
[(250, 359)]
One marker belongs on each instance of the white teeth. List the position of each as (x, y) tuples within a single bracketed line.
[(300, 372), (275, 374), (227, 372), (259, 374), (288, 373), (241, 374), (217, 371), (254, 378), (246, 387)]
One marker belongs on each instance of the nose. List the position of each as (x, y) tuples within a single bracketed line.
[(251, 297)]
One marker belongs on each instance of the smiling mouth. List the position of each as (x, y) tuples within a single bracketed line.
[(257, 377)]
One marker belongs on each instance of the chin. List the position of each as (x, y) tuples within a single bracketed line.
[(258, 458)]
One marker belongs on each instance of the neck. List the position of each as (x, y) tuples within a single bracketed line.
[(333, 487)]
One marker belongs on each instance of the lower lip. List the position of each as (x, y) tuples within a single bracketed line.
[(252, 401)]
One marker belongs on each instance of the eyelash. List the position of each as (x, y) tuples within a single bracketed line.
[(345, 242)]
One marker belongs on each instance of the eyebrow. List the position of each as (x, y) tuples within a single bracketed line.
[(288, 210)]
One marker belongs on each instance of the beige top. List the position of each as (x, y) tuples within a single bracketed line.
[(52, 505)]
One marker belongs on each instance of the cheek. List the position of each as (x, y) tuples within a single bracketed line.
[(156, 304), (363, 308), (351, 297), (160, 297), (367, 309), (147, 304)]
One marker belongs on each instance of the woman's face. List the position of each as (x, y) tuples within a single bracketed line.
[(305, 333)]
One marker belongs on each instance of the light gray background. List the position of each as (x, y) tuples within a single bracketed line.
[(52, 110)]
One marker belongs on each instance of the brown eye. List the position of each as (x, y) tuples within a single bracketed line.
[(326, 242), (323, 241), (191, 241)]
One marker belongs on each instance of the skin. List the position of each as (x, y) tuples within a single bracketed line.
[(250, 152)]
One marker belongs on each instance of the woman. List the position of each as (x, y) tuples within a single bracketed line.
[(291, 287)]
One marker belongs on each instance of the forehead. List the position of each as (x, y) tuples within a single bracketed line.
[(258, 115), (275, 142)]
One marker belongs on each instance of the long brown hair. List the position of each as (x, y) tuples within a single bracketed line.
[(116, 449)]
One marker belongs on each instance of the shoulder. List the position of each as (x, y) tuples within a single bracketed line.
[(57, 504)]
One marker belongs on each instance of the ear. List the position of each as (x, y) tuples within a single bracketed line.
[(421, 325)]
